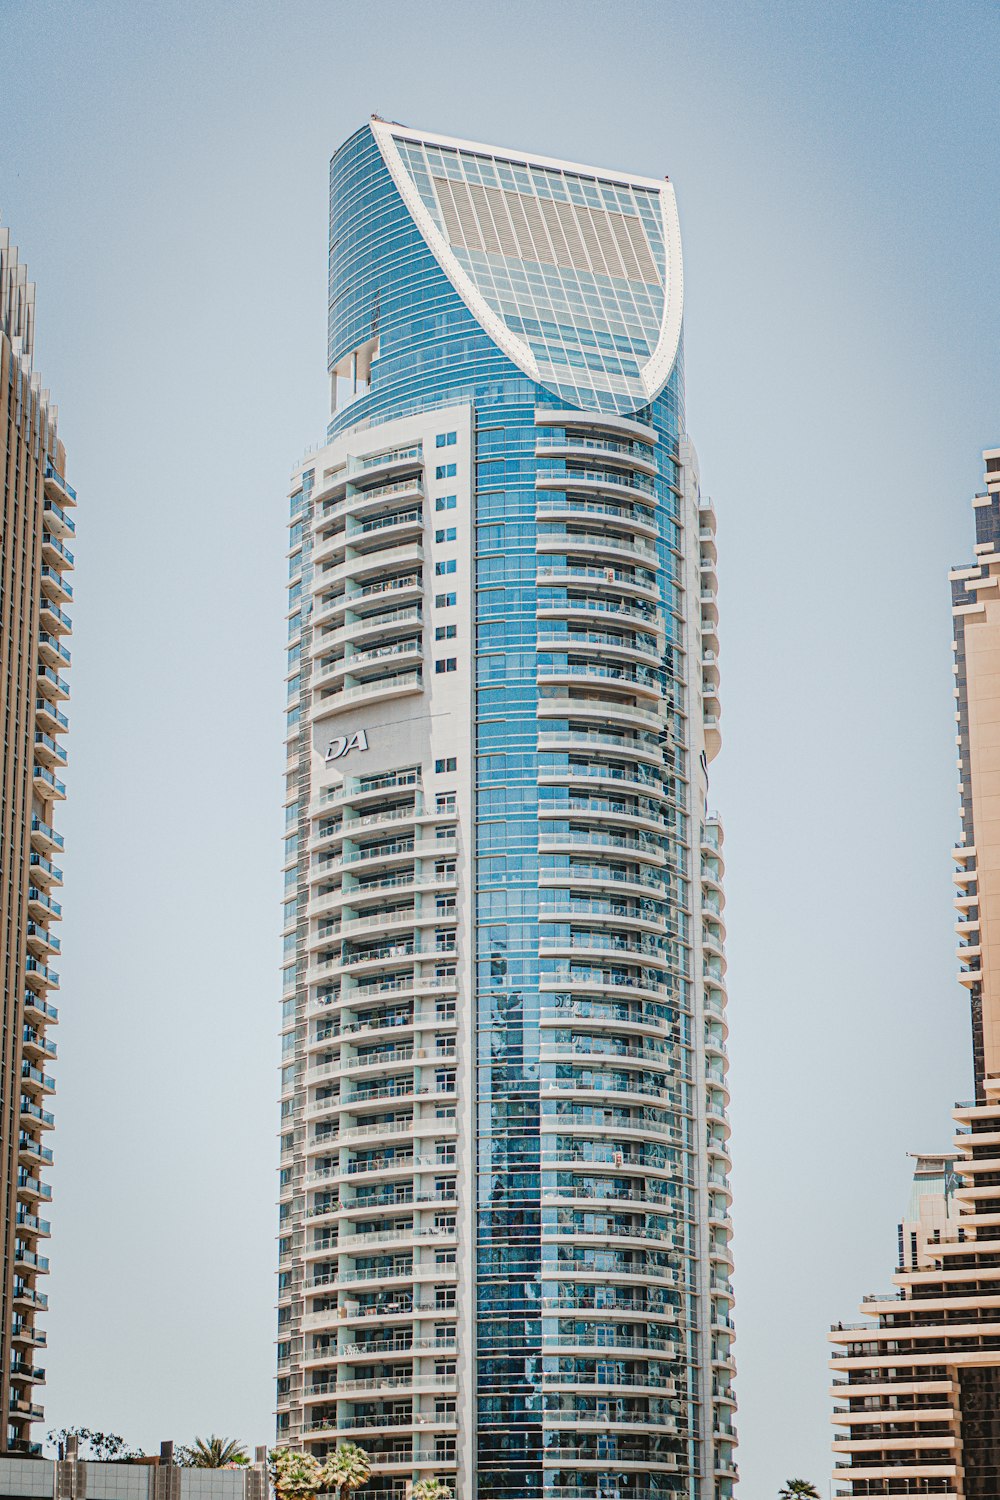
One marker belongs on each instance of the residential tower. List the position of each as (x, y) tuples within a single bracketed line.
[(505, 1209), (35, 591), (917, 1385)]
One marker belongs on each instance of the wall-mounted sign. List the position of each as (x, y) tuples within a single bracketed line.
[(344, 744)]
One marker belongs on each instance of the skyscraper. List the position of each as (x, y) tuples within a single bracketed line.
[(918, 1388), (504, 1222), (34, 590)]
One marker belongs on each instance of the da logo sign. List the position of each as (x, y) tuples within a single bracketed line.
[(345, 744)]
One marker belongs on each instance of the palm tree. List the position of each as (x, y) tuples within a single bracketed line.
[(296, 1476), (430, 1489), (346, 1469), (213, 1453), (798, 1489)]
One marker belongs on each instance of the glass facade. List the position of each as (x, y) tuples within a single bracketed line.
[(576, 932)]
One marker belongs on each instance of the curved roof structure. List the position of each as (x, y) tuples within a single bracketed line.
[(574, 272)]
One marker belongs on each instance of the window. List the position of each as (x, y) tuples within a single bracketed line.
[(445, 471), (445, 601), (446, 534), (445, 632), (445, 502), (446, 440), (451, 761), (451, 566), (445, 801), (446, 664)]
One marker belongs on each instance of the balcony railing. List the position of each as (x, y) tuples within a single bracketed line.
[(394, 456)]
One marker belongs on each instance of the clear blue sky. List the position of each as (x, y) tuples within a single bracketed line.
[(163, 168)]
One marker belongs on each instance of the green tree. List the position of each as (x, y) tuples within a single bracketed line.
[(798, 1489), (431, 1489), (103, 1446), (212, 1453), (347, 1469)]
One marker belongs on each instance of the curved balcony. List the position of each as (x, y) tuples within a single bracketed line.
[(579, 547), (387, 467), (712, 944), (406, 586), (329, 606), (573, 701), (573, 419), (395, 817), (370, 628), (634, 646), (623, 814), (635, 744), (597, 612), (392, 685), (637, 518), (601, 870), (655, 1176), (600, 1048), (624, 484), (392, 887), (558, 683), (328, 548), (594, 947), (629, 1018), (619, 916), (360, 663), (363, 569), (615, 578), (405, 494), (630, 454), (364, 536), (637, 778), (637, 1088), (370, 789), (629, 1336), (581, 1118)]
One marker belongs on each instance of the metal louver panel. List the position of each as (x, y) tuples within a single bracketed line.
[(449, 212), (545, 230), (487, 230)]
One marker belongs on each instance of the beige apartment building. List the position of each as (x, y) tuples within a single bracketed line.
[(34, 626), (917, 1385)]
